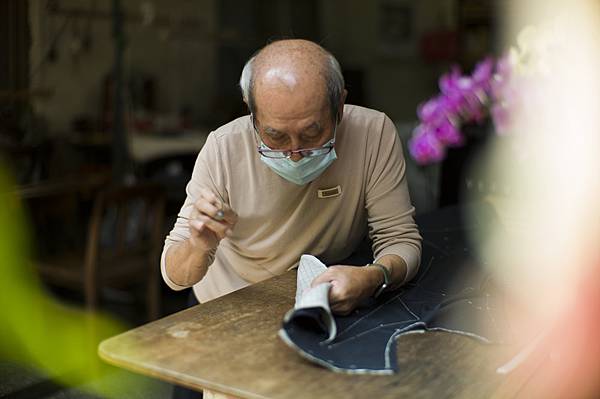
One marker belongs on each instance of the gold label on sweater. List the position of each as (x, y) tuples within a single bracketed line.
[(330, 192)]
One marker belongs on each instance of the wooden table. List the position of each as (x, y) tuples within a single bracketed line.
[(230, 345)]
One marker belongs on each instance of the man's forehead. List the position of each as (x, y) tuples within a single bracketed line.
[(312, 126), (281, 75), (285, 92), (290, 63), (290, 74), (290, 105)]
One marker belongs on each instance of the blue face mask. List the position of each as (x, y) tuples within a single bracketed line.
[(305, 170)]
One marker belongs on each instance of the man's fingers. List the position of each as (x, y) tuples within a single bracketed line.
[(328, 276), (209, 196), (321, 278), (197, 225), (341, 309), (205, 215), (203, 223), (220, 229), (210, 205), (208, 209), (212, 199), (338, 296), (226, 214)]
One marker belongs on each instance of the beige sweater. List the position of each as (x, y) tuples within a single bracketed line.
[(279, 220)]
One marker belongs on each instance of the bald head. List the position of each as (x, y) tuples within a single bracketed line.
[(298, 71), (291, 63)]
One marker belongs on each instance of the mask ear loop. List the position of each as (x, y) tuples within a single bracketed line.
[(255, 131), (338, 121), (334, 134)]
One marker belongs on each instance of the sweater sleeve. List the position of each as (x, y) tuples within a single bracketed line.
[(206, 174), (392, 228)]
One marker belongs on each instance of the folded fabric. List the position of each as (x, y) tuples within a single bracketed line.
[(312, 304), (452, 292)]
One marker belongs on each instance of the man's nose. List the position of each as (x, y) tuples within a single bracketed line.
[(296, 145), (296, 157)]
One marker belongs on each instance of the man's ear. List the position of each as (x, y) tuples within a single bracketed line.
[(341, 107), (245, 99)]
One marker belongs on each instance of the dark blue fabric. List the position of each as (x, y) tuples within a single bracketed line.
[(452, 291)]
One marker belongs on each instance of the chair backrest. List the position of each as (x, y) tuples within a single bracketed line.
[(126, 223)]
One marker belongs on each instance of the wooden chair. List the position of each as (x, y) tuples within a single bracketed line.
[(122, 248)]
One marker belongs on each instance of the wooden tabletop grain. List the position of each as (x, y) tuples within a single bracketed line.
[(230, 345)]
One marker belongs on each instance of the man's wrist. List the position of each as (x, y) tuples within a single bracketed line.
[(397, 267), (200, 251), (384, 280), (187, 264), (376, 277)]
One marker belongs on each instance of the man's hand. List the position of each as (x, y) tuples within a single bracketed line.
[(350, 285), (210, 221)]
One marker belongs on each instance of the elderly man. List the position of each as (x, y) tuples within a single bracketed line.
[(303, 173)]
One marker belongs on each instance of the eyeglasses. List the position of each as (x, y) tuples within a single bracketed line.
[(304, 152)]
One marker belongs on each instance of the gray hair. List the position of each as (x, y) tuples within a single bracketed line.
[(333, 77)]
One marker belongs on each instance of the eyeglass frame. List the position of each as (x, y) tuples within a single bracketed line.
[(287, 154)]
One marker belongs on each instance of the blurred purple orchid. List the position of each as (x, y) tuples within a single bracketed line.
[(463, 99), (483, 73), (448, 134), (426, 148)]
